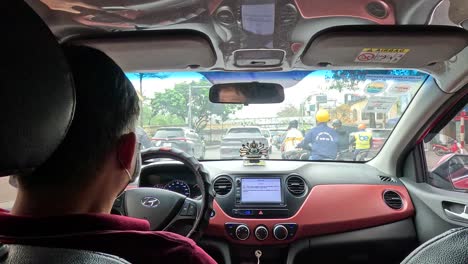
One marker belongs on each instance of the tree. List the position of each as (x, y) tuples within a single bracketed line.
[(343, 113), (176, 101), (289, 111), (141, 76)]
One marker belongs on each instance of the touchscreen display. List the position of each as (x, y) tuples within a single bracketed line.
[(260, 190)]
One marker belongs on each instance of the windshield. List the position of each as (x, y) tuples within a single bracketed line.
[(381, 133), (356, 110), (244, 132)]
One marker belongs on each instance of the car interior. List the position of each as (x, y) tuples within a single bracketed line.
[(402, 204)]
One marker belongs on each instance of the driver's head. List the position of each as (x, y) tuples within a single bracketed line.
[(293, 124), (99, 151)]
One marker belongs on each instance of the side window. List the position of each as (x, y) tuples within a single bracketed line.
[(7, 192), (447, 156)]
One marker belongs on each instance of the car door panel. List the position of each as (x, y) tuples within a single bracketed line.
[(430, 218)]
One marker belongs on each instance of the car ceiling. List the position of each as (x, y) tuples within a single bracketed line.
[(225, 34)]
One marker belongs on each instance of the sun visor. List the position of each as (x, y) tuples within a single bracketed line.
[(149, 51), (383, 46)]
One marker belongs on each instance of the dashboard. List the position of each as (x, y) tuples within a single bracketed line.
[(284, 203)]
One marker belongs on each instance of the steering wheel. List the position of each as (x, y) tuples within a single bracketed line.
[(162, 208)]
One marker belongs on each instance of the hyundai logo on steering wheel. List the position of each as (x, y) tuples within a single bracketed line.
[(150, 202)]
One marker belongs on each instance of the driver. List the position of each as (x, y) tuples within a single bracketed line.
[(66, 203)]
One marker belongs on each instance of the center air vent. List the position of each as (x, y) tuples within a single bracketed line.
[(393, 199), (222, 185), (296, 185)]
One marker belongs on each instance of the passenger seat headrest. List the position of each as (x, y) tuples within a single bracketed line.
[(36, 90)]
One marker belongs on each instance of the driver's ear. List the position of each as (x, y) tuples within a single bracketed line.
[(126, 150)]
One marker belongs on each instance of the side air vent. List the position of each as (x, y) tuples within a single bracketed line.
[(387, 179), (222, 185), (393, 199), (296, 185)]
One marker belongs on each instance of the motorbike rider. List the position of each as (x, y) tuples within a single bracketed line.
[(362, 142), (322, 139), (292, 138), (343, 142)]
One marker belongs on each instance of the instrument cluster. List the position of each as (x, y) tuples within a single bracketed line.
[(181, 183)]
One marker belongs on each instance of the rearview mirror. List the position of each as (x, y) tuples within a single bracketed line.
[(247, 93)]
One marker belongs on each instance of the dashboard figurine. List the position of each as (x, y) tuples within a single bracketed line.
[(254, 153)]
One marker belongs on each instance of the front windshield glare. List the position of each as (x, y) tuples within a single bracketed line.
[(326, 115)]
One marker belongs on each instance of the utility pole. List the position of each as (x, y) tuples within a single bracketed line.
[(189, 115)]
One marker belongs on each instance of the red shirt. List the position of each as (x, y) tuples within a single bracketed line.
[(126, 237)]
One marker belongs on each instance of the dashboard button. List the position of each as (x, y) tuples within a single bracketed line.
[(118, 201), (184, 210), (192, 210), (280, 232), (292, 229), (231, 229), (261, 233), (242, 232)]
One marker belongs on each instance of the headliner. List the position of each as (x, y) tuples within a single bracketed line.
[(286, 27)]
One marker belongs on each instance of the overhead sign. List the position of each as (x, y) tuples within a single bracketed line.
[(375, 87), (397, 84), (379, 104), (400, 88), (381, 55)]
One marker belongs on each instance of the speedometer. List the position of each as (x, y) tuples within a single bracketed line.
[(179, 187)]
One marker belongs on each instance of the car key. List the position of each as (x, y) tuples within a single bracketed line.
[(258, 254)]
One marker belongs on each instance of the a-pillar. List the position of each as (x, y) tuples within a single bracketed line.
[(462, 128)]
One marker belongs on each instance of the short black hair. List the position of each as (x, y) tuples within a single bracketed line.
[(293, 124), (106, 107)]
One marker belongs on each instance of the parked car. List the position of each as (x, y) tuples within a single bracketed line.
[(181, 138), (237, 136)]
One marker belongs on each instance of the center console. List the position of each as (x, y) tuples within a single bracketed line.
[(249, 199)]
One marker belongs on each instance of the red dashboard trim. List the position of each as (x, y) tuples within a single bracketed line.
[(327, 209), (343, 8)]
